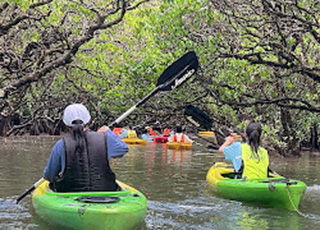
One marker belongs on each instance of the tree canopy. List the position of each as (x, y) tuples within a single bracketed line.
[(258, 60)]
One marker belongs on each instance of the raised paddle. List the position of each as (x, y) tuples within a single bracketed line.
[(174, 76), (199, 117)]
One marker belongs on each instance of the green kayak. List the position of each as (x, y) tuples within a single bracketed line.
[(274, 191), (123, 210)]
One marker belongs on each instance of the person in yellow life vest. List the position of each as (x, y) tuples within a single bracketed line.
[(179, 136), (255, 159), (127, 132)]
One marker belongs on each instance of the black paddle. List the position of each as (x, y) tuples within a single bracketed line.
[(174, 76), (200, 119)]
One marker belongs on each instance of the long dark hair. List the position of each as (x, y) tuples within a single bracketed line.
[(254, 131), (78, 135)]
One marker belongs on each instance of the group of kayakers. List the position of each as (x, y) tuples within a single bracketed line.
[(173, 136), (80, 160)]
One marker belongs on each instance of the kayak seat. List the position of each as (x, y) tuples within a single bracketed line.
[(233, 175)]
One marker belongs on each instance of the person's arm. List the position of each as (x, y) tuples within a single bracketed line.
[(228, 141), (116, 146), (56, 162), (188, 138)]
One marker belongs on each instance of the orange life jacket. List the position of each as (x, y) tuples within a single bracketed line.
[(117, 131), (166, 132), (175, 139), (153, 133)]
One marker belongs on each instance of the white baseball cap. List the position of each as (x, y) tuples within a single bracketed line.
[(76, 112)]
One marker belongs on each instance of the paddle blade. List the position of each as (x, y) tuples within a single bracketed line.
[(178, 72), (198, 117)]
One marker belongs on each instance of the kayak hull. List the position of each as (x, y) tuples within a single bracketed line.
[(179, 145), (274, 191), (161, 139), (125, 209), (135, 141)]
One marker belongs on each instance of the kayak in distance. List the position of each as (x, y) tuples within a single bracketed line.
[(160, 139), (206, 133), (125, 209), (134, 141), (179, 145), (274, 191)]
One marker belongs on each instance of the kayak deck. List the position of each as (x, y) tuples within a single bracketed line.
[(124, 209), (274, 191)]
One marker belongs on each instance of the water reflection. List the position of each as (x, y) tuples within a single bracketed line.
[(173, 181)]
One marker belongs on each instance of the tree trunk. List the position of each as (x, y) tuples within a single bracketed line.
[(314, 138)]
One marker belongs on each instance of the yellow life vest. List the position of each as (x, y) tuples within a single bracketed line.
[(132, 134), (254, 167)]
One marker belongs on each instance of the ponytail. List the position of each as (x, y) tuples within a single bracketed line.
[(78, 135), (254, 131)]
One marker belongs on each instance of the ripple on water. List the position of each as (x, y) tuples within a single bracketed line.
[(312, 193), (313, 188), (13, 216), (198, 213)]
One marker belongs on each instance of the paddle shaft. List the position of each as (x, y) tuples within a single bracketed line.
[(153, 92), (129, 111), (28, 191)]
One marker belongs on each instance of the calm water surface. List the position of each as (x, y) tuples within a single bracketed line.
[(173, 181)]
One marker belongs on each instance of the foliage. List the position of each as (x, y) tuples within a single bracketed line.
[(258, 60)]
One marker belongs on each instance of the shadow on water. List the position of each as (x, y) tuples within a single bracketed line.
[(173, 181)]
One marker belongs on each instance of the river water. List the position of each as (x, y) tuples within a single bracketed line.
[(173, 181)]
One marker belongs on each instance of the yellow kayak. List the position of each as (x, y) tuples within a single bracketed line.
[(135, 141), (207, 133), (179, 145)]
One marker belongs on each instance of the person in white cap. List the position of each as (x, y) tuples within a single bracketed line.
[(80, 160)]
